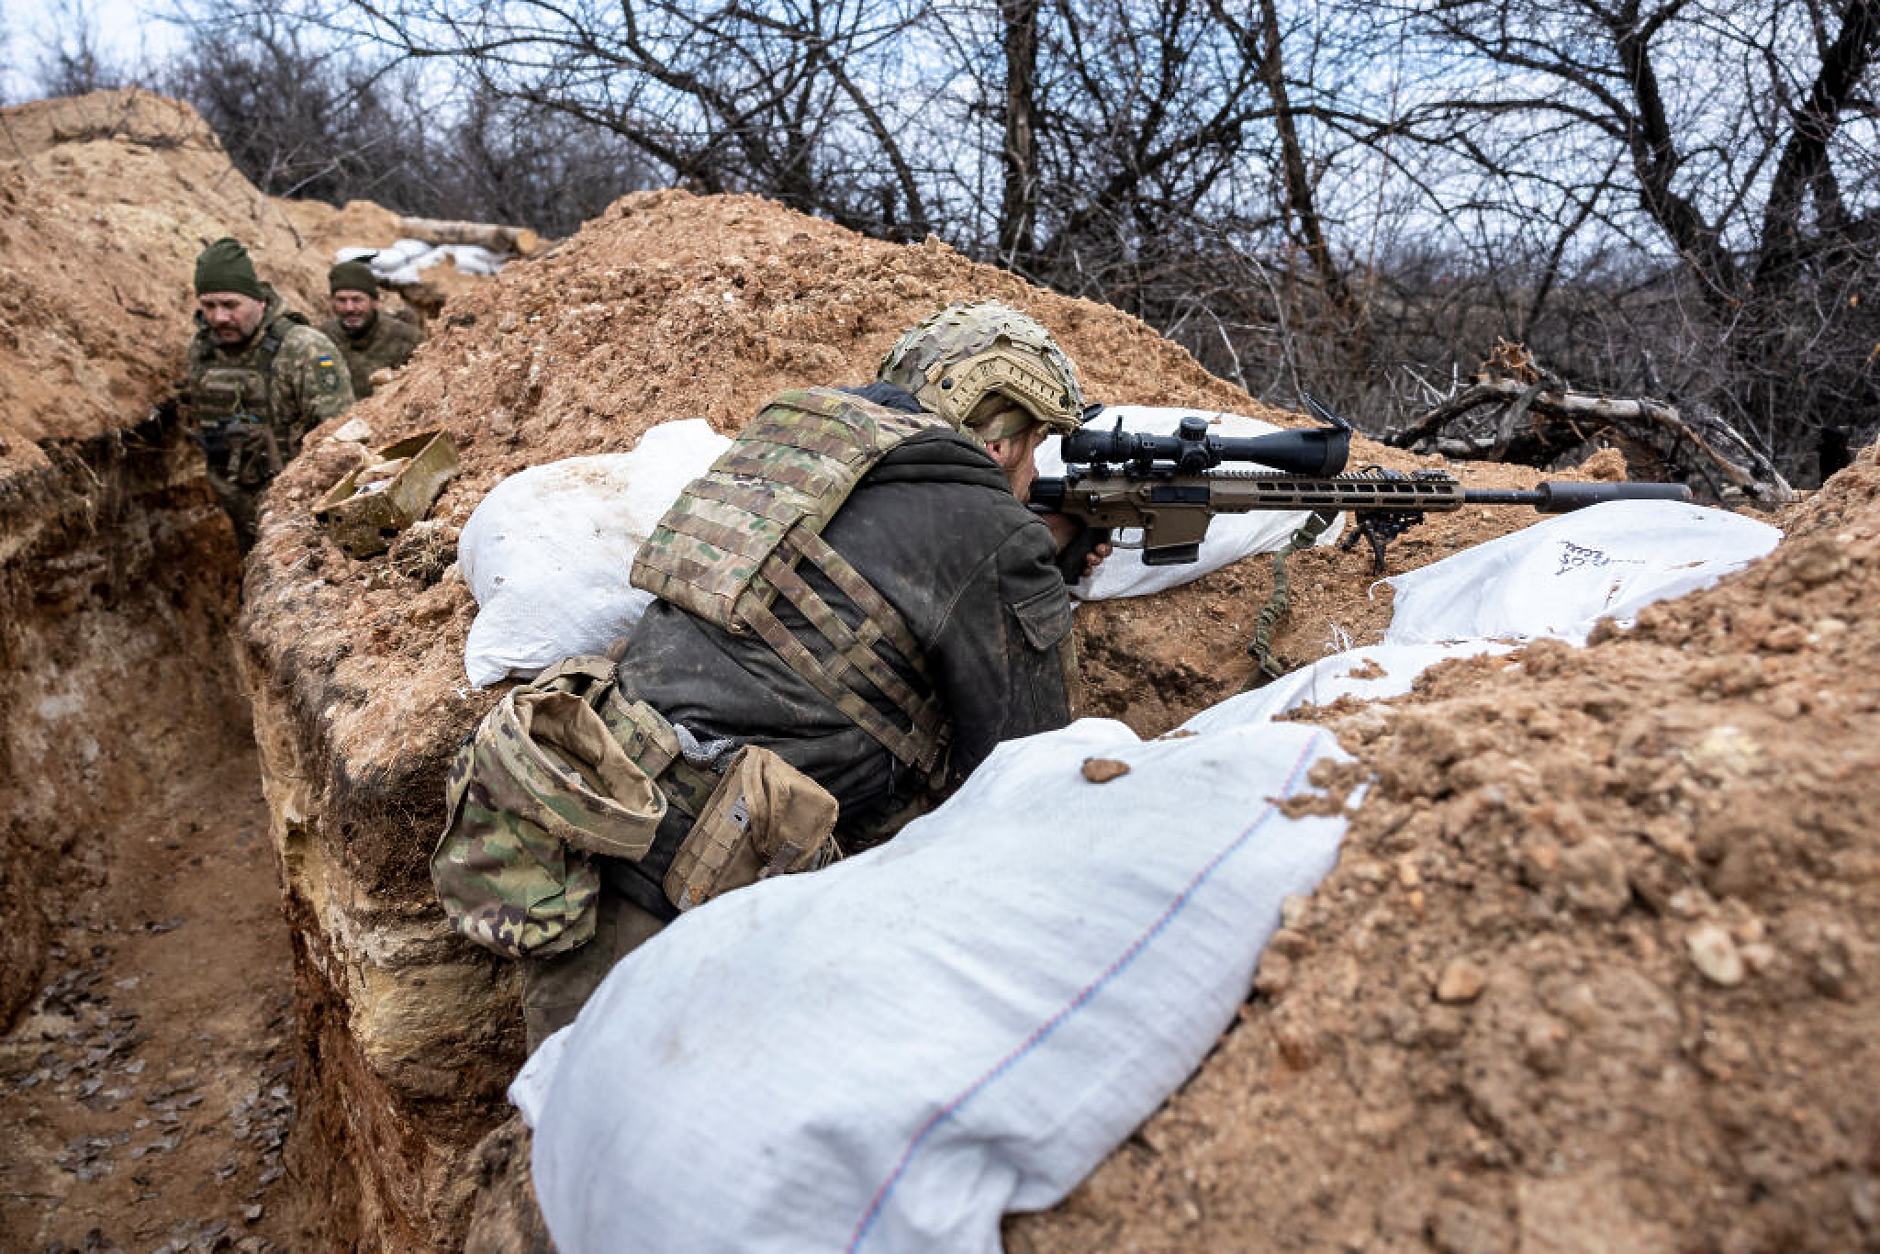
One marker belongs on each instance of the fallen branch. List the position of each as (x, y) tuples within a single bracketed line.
[(519, 240), (1656, 425)]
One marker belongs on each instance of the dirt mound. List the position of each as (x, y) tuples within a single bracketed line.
[(1596, 968), (136, 117)]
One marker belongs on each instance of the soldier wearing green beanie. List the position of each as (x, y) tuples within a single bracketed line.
[(259, 379), (353, 275), (369, 342), (224, 266)]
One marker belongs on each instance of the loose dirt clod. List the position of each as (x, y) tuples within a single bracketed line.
[(1103, 770)]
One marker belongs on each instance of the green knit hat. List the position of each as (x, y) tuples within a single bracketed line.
[(353, 276), (224, 267)]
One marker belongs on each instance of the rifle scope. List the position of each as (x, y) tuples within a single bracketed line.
[(1314, 451)]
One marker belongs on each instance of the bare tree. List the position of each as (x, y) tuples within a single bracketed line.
[(299, 116), (1720, 178), (512, 161), (72, 60), (1265, 48), (1018, 209), (785, 98)]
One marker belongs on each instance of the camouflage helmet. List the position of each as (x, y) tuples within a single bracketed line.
[(958, 357)]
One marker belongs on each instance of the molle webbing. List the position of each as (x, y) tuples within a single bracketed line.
[(735, 537), (793, 466), (921, 744)]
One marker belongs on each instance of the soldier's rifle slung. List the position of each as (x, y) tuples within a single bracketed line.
[(1166, 488)]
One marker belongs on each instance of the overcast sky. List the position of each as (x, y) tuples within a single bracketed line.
[(128, 31)]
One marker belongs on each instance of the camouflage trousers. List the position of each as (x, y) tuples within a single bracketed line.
[(555, 988)]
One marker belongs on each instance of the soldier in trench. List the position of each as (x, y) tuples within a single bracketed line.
[(259, 379), (370, 340), (926, 622)]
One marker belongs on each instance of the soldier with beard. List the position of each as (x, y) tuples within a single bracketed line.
[(259, 379), (371, 341)]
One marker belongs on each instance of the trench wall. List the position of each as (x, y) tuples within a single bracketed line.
[(120, 591), (409, 1034), (118, 579)]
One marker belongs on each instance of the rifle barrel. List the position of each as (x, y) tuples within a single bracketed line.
[(1558, 498)]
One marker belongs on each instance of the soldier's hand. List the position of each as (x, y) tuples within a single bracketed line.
[(1064, 529), (1095, 559)]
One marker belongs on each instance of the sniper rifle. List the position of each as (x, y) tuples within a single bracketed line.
[(1167, 487)]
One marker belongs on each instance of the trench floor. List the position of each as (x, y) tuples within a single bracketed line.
[(146, 1094)]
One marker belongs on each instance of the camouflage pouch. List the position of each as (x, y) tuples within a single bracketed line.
[(538, 787), (765, 818)]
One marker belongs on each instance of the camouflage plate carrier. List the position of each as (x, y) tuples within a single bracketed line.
[(568, 767), (233, 404), (735, 538)]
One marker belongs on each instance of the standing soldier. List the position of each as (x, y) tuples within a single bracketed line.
[(369, 342), (260, 378)]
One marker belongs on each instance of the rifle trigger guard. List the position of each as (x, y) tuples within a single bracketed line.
[(1129, 538)]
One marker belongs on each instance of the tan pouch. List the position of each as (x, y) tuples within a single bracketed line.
[(765, 818)]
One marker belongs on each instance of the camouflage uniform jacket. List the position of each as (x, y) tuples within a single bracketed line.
[(386, 342), (935, 529), (301, 387)]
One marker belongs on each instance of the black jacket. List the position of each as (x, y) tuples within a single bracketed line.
[(935, 529)]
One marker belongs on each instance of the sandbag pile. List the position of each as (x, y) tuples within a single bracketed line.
[(893, 1052)]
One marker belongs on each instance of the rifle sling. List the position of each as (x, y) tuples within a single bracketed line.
[(1270, 665)]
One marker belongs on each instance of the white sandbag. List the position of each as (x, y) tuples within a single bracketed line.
[(547, 553), (404, 250), (474, 259), (1556, 578), (890, 1053), (1230, 536), (393, 263), (404, 262), (1560, 576)]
